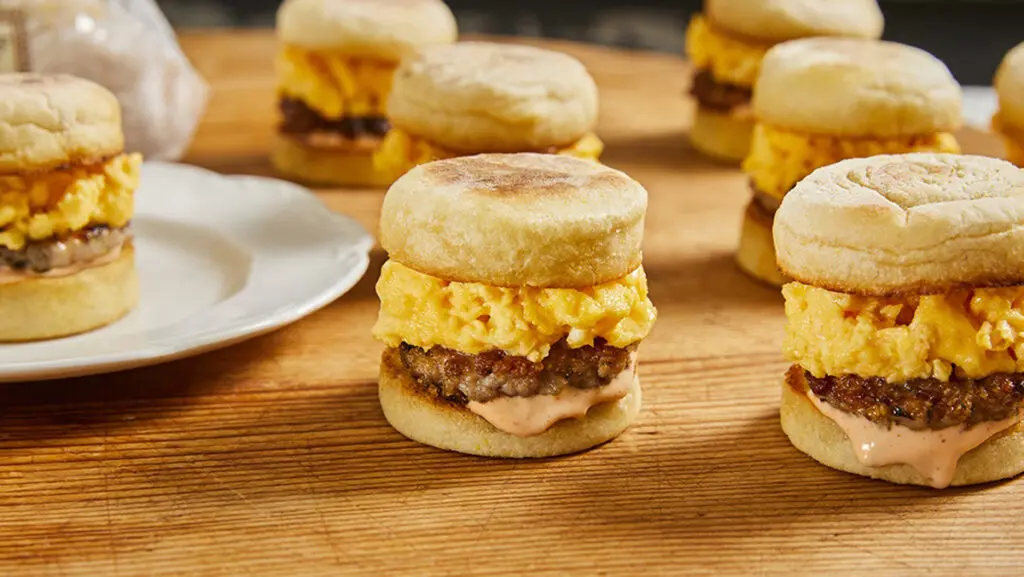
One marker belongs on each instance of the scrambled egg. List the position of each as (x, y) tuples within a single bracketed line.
[(779, 159), (335, 86), (731, 60), (400, 151), (41, 206), (1014, 151), (1013, 139), (977, 333), (473, 318)]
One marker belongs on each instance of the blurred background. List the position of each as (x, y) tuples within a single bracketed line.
[(970, 36)]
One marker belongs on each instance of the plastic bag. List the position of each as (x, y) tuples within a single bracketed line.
[(125, 45)]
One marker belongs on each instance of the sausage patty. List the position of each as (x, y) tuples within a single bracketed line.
[(919, 403), (716, 95), (84, 246), (297, 118), (461, 377), (765, 202)]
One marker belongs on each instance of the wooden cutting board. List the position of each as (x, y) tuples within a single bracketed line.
[(272, 457)]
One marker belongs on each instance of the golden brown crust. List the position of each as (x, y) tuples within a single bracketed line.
[(45, 308), (516, 220), (780, 20), (424, 418), (856, 87), (1000, 457), (49, 122), (383, 30), (480, 97), (325, 165), (905, 224)]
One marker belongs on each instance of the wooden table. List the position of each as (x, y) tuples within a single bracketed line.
[(272, 457)]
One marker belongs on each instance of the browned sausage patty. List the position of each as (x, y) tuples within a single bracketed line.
[(297, 118), (84, 246), (461, 377), (716, 95), (919, 403)]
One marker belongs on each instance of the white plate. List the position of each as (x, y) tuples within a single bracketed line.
[(220, 259)]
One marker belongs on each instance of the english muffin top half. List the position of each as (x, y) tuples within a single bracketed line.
[(905, 225), (475, 97), (770, 21), (1009, 84), (516, 220), (387, 30), (48, 122), (856, 87)]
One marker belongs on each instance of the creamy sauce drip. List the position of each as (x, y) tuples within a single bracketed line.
[(9, 276), (932, 453), (529, 416)]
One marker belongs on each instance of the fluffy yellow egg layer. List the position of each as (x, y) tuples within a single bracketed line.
[(730, 60), (335, 85), (779, 159), (424, 311), (1014, 151), (399, 152), (41, 206), (1012, 138), (978, 332)]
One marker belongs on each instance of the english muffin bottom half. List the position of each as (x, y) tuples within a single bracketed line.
[(334, 76), (480, 97), (512, 304), (823, 100), (726, 43), (906, 317), (66, 201)]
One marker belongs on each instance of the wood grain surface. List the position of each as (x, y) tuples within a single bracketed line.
[(273, 458)]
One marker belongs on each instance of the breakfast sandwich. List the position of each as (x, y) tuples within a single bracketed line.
[(906, 317), (334, 75), (822, 100), (475, 97), (726, 43), (66, 198), (1009, 121), (513, 304)]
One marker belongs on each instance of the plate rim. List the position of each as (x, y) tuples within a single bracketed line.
[(228, 334)]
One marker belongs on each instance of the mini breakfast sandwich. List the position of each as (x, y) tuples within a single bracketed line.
[(906, 317), (726, 42), (66, 198), (335, 70), (1009, 121), (475, 97), (822, 100), (513, 304)]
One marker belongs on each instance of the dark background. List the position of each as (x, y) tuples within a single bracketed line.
[(971, 36)]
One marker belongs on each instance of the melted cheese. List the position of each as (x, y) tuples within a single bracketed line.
[(400, 151), (424, 311), (335, 85), (41, 206), (978, 332), (778, 159), (730, 60)]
